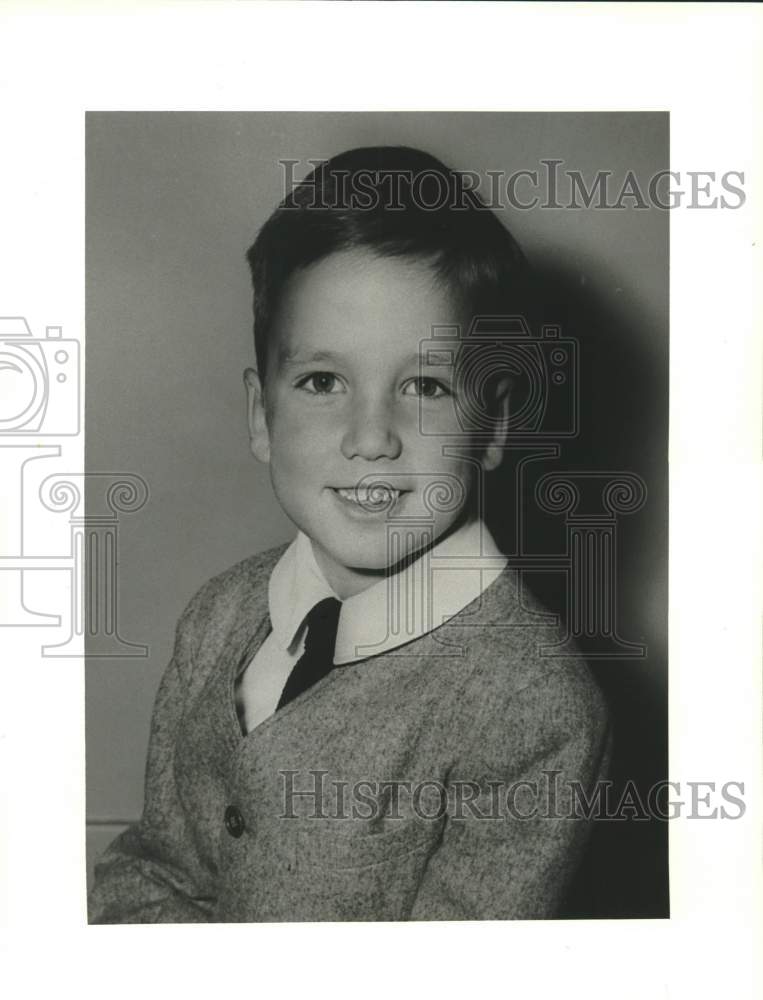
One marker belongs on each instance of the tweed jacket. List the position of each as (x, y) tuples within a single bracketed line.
[(430, 782)]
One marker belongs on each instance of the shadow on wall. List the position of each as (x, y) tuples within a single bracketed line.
[(623, 427)]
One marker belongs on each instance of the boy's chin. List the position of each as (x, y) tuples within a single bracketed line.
[(379, 559)]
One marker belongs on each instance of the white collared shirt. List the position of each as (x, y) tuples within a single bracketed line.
[(395, 610)]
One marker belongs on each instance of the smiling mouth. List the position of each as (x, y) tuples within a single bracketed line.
[(372, 498)]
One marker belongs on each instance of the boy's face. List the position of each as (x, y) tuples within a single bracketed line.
[(341, 405)]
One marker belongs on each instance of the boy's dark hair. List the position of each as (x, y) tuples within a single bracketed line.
[(396, 202)]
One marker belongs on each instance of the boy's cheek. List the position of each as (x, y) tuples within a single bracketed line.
[(292, 412), (455, 453), (299, 457)]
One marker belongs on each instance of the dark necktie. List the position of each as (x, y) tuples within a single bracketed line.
[(318, 657)]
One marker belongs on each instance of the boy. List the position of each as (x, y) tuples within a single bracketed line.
[(363, 725)]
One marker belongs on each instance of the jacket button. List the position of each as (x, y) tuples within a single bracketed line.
[(234, 821)]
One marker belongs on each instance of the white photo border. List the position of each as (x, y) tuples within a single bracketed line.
[(697, 61)]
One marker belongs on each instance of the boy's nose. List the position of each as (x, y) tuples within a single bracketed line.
[(371, 434)]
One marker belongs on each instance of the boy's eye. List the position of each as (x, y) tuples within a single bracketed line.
[(320, 383), (428, 388)]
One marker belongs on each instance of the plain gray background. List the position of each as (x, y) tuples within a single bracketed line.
[(173, 202)]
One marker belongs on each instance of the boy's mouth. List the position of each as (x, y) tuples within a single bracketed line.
[(377, 497)]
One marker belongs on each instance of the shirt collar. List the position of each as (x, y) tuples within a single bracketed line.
[(296, 585), (396, 609)]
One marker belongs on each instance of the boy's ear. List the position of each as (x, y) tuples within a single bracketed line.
[(492, 456), (259, 438)]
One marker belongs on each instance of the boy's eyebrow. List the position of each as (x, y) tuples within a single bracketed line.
[(435, 357), (289, 358)]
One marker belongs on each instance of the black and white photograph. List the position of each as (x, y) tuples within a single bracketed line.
[(425, 480)]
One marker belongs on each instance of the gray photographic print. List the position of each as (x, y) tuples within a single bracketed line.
[(424, 490)]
